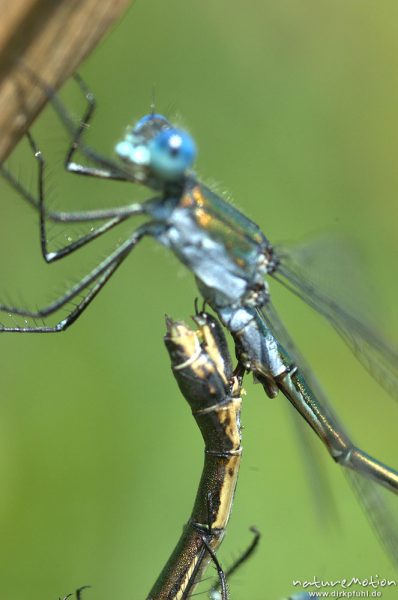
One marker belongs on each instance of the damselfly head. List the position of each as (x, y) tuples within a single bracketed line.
[(156, 152)]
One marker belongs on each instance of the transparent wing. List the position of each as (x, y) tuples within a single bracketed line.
[(323, 497), (374, 499), (302, 272), (378, 506), (316, 475)]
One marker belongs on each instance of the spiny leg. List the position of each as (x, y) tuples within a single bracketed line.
[(108, 170), (82, 241), (79, 591), (246, 555), (51, 256), (101, 274), (73, 315), (222, 583), (206, 536), (126, 210), (206, 541)]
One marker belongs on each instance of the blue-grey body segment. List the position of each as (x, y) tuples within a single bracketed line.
[(205, 257), (256, 347), (228, 263), (227, 253)]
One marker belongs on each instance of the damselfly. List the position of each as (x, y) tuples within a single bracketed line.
[(230, 259), (203, 369), (202, 366)]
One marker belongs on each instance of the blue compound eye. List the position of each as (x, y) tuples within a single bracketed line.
[(172, 153), (151, 118)]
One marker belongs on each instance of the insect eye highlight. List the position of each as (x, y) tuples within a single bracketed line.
[(172, 152), (148, 120)]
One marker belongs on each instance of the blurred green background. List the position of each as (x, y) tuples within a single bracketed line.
[(294, 109)]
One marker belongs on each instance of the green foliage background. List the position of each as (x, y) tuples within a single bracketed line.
[(294, 108)]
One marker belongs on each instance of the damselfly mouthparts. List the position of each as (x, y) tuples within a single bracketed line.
[(230, 259)]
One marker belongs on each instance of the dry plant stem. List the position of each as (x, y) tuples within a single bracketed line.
[(51, 38)]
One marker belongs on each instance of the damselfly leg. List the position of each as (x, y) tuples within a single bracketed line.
[(105, 169), (51, 256), (215, 592), (100, 274), (97, 278), (78, 593)]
